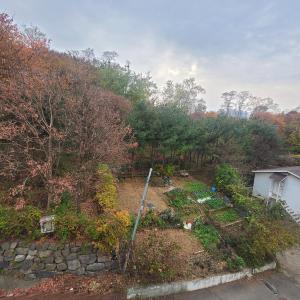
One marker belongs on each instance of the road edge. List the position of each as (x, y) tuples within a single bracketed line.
[(193, 285)]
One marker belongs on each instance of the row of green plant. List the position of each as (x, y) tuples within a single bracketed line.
[(215, 203), (207, 234), (179, 198), (197, 186), (226, 216)]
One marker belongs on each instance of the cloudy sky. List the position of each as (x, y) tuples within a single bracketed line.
[(225, 44)]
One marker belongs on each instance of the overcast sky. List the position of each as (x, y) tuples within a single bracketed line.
[(225, 44)]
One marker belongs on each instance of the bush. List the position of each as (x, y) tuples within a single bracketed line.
[(235, 264), (152, 219), (109, 230), (262, 240), (16, 224), (153, 259), (70, 225), (166, 219), (207, 234), (106, 191), (165, 170), (276, 211), (227, 175)]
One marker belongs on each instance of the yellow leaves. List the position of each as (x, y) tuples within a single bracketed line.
[(106, 194), (111, 227)]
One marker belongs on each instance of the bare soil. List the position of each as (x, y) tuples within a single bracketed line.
[(195, 261), (131, 189)]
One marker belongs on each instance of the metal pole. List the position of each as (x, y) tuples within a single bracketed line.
[(142, 203), (141, 206)]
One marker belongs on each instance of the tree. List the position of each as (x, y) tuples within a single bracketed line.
[(123, 81), (237, 104), (228, 105), (51, 107), (184, 95)]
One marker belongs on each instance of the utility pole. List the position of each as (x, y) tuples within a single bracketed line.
[(142, 204)]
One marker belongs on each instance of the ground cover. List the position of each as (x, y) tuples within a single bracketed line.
[(226, 216), (215, 203)]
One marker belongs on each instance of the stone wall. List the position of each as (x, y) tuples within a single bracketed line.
[(40, 260)]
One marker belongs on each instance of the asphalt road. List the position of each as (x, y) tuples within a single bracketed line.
[(270, 286)]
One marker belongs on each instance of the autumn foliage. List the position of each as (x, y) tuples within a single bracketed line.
[(51, 106)]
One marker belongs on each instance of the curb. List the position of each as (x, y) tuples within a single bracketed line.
[(193, 285)]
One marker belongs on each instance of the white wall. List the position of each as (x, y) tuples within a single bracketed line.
[(291, 193), (261, 184)]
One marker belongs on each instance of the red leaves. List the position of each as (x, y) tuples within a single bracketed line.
[(50, 104)]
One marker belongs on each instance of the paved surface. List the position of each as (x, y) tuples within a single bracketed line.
[(280, 287), (70, 297), (9, 283), (290, 263)]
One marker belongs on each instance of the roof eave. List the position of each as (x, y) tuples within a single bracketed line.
[(277, 171)]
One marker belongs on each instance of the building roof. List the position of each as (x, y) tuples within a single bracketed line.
[(295, 170)]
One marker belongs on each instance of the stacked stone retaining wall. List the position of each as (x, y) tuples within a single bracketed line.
[(40, 260)]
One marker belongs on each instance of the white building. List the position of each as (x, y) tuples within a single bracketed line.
[(280, 184)]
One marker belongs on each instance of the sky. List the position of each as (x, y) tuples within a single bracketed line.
[(226, 45)]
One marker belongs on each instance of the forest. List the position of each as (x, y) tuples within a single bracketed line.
[(71, 123)]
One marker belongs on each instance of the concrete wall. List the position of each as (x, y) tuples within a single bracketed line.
[(291, 193), (262, 184), (193, 285)]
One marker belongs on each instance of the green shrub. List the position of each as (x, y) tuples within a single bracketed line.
[(70, 225), (165, 170), (65, 204), (226, 216), (215, 203), (21, 223), (276, 211), (152, 219), (207, 234), (235, 264), (227, 175)]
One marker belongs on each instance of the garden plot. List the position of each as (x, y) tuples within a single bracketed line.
[(226, 217), (131, 189), (190, 258)]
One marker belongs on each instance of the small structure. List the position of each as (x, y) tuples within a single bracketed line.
[(47, 224), (280, 184)]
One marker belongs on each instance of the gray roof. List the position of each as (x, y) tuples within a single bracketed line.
[(295, 170)]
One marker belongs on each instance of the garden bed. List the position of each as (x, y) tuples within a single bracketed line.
[(225, 217)]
